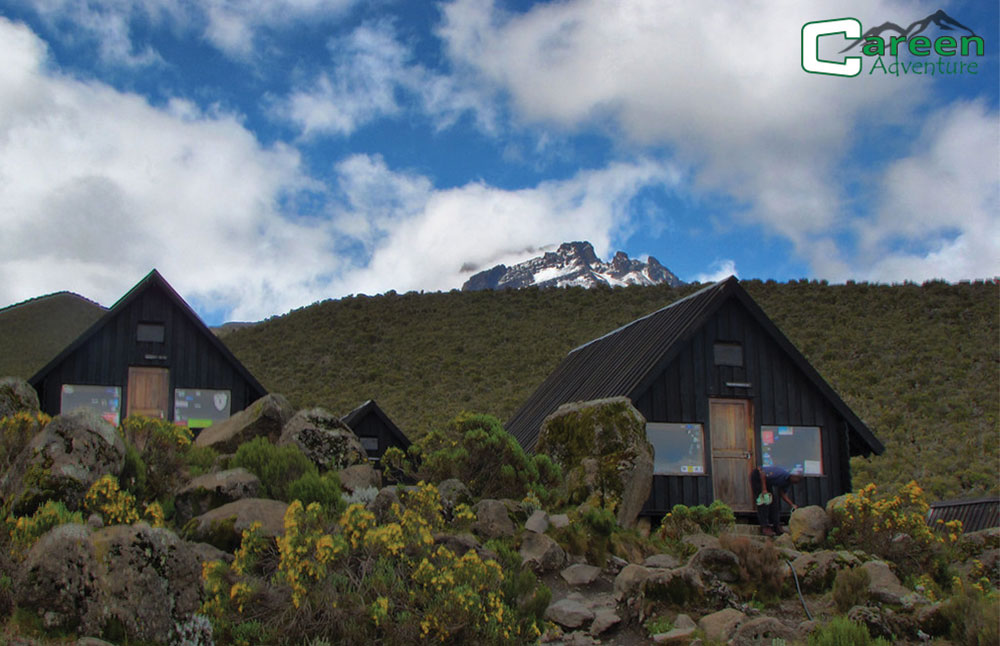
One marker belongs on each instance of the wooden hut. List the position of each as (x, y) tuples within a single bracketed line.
[(148, 355), (375, 430), (722, 390)]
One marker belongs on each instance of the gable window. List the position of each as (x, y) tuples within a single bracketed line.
[(796, 448), (728, 354), (678, 449), (151, 332)]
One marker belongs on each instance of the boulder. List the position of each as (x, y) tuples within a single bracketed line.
[(537, 522), (17, 396), (580, 574), (837, 503), (721, 626), (720, 562), (153, 580), (817, 570), (324, 439), (359, 476), (602, 445), (132, 580), (700, 540), (569, 613), (762, 630), (678, 636), (679, 587), (492, 519), (223, 526), (975, 543), (61, 581), (212, 490), (604, 620), (263, 418), (453, 493), (808, 526), (382, 506), (457, 544), (665, 561), (881, 622), (629, 582), (885, 587), (559, 520), (932, 620), (541, 553), (62, 462)]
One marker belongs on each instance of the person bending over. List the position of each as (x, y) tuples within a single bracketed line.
[(773, 481)]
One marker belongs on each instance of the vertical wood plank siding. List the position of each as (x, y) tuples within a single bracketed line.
[(781, 394), (192, 356)]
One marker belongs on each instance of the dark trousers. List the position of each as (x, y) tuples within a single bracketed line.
[(767, 515)]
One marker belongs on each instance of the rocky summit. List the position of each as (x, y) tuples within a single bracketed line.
[(574, 264)]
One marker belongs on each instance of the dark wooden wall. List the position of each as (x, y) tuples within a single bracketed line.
[(190, 356), (780, 392), (372, 426)]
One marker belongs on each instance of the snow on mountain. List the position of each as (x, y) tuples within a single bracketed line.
[(574, 264)]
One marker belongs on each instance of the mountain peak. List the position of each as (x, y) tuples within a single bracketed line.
[(573, 264)]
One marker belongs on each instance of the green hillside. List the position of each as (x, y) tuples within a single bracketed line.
[(917, 363), (35, 331)]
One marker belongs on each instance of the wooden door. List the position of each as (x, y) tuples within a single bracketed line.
[(731, 427), (148, 392)]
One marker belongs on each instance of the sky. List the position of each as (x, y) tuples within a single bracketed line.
[(264, 155)]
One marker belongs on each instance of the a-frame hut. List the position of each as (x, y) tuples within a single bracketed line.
[(375, 429), (722, 390), (151, 355)]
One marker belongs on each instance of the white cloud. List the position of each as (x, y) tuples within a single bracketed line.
[(230, 25), (940, 210), (97, 187), (372, 76), (426, 238), (719, 270), (720, 84)]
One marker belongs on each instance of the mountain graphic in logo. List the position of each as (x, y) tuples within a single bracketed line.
[(939, 18)]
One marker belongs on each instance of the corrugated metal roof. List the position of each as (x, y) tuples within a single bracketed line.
[(619, 362), (977, 514)]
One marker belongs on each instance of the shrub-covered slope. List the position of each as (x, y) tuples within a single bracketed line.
[(918, 363)]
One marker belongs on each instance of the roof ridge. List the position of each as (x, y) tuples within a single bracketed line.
[(653, 313)]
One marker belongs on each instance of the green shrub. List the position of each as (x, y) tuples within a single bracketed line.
[(16, 432), (276, 466), (161, 446), (658, 625), (24, 531), (974, 615), (841, 631), (850, 588), (324, 489), (199, 460), (683, 520), (478, 451)]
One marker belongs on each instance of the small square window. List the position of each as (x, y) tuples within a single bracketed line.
[(678, 449), (729, 354), (151, 332), (370, 444)]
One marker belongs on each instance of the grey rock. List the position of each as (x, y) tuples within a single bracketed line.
[(538, 522), (614, 433), (684, 621), (453, 493), (359, 476), (679, 587), (458, 544), (663, 561), (720, 562), (223, 526), (817, 570), (541, 553), (63, 461), (324, 439), (628, 584), (885, 586), (569, 613), (263, 418), (604, 620), (17, 396), (212, 490), (559, 520), (700, 540), (492, 519), (762, 630), (580, 574), (676, 636), (382, 506), (808, 526), (721, 626)]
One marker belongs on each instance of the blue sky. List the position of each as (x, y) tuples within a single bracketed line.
[(267, 154)]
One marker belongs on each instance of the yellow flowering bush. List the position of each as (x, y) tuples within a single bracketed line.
[(106, 498), (355, 580), (16, 432), (894, 527), (26, 530)]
